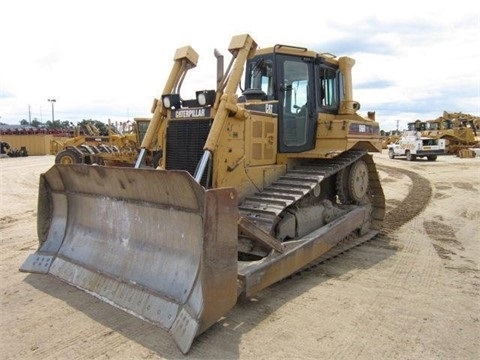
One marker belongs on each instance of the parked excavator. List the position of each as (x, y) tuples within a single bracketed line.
[(252, 187)]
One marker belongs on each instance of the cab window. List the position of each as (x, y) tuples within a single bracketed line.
[(261, 76), (330, 85)]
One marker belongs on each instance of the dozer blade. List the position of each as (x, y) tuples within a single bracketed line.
[(151, 242)]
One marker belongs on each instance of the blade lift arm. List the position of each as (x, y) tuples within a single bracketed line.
[(185, 58), (241, 47)]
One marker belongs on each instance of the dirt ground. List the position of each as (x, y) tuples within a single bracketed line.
[(410, 293)]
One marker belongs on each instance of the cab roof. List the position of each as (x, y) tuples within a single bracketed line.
[(298, 51)]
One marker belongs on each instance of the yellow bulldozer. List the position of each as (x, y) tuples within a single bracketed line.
[(256, 182)]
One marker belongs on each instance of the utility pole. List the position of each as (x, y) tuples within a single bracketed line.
[(53, 101)]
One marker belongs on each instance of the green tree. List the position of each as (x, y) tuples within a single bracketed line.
[(65, 124), (35, 122), (55, 124)]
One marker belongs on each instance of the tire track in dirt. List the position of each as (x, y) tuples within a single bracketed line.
[(408, 209), (449, 248), (413, 204), (406, 269)]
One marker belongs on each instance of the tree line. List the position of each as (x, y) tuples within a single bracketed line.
[(64, 125)]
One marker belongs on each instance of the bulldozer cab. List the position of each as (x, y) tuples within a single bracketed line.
[(302, 86), (141, 126), (287, 79), (417, 125)]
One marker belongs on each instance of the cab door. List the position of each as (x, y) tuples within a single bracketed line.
[(296, 95)]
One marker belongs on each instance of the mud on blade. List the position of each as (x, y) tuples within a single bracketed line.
[(153, 243)]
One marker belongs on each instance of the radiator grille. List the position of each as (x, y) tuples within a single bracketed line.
[(185, 141)]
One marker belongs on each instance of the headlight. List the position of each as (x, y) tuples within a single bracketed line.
[(166, 102), (202, 100), (205, 97), (171, 101)]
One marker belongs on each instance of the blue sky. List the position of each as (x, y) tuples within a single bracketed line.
[(108, 59)]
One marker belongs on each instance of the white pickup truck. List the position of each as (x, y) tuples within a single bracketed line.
[(413, 145)]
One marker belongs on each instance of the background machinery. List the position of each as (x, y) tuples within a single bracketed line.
[(390, 137), (112, 149), (249, 190), (7, 151), (460, 131)]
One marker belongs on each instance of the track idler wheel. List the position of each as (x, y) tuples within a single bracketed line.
[(352, 183)]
